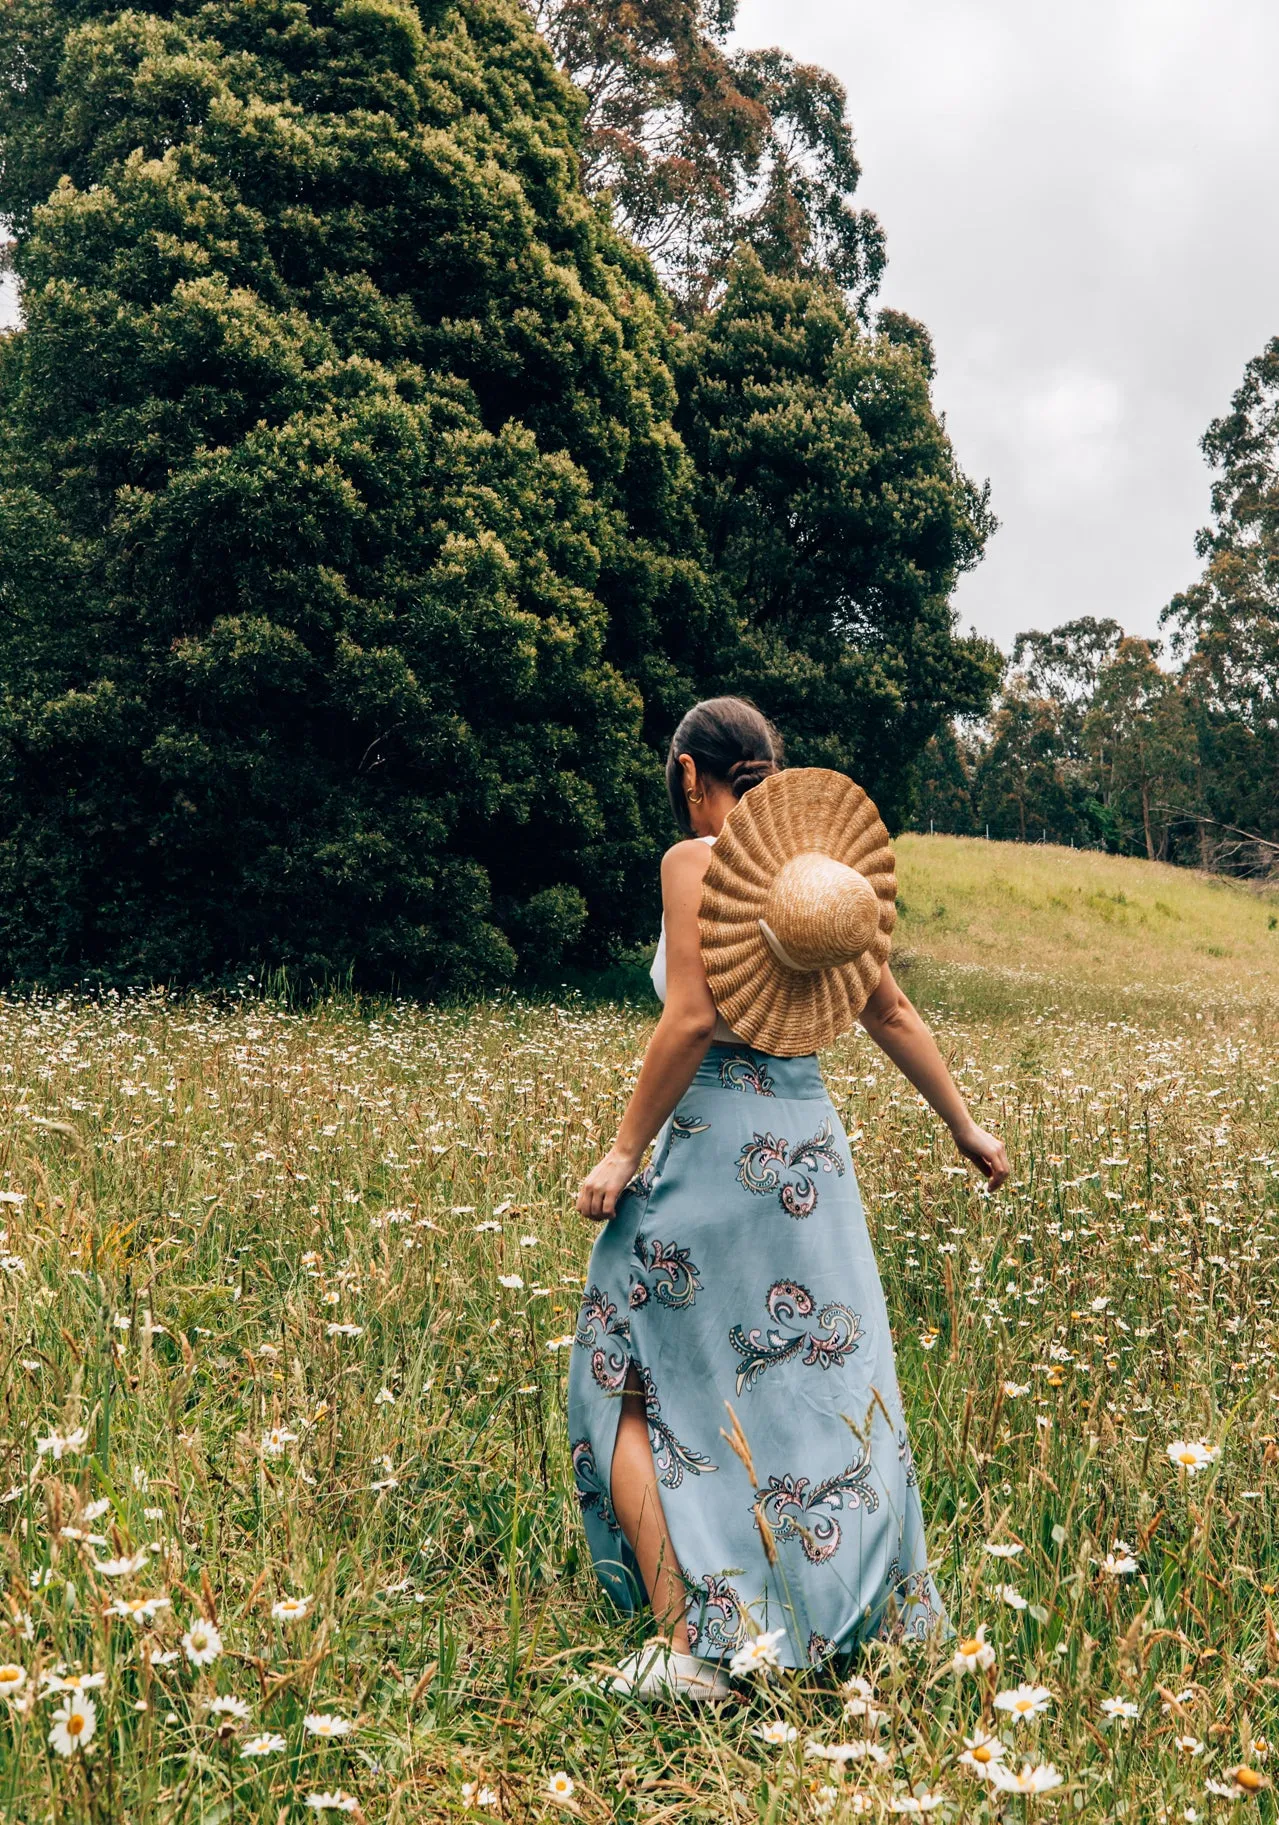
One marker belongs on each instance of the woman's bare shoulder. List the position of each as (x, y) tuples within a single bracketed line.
[(686, 860)]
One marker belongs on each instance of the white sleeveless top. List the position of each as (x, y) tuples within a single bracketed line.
[(723, 1034)]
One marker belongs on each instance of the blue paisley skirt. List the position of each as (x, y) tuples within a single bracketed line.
[(738, 1279)]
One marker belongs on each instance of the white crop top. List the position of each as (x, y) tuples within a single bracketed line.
[(723, 1034)]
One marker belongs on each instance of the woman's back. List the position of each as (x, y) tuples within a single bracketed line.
[(723, 1034)]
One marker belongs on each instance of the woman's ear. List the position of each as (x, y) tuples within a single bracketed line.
[(688, 768)]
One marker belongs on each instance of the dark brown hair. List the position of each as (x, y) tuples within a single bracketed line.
[(728, 740)]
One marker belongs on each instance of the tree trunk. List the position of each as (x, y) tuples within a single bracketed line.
[(1145, 821)]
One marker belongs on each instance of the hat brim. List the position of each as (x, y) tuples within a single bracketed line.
[(776, 1009)]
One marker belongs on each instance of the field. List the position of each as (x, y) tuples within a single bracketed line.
[(280, 1445)]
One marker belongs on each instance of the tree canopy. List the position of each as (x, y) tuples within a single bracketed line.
[(702, 149), (367, 519), (839, 521), (1227, 624)]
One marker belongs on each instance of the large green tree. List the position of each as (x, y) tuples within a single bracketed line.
[(345, 538), (702, 147), (838, 519)]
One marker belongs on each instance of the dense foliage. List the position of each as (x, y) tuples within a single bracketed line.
[(352, 565), (1227, 624), (340, 483), (703, 149), (838, 520)]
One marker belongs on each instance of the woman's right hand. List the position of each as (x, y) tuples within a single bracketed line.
[(985, 1151), (601, 1188)]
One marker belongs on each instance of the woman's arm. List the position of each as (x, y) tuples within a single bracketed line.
[(897, 1029), (679, 1042)]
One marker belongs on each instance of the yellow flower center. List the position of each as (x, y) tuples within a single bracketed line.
[(10, 1676), (971, 1646), (75, 1723), (1249, 1780), (982, 1753)]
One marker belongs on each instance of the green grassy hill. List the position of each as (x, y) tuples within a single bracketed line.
[(1000, 924)]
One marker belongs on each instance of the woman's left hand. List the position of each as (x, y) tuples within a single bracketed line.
[(601, 1188), (985, 1151)]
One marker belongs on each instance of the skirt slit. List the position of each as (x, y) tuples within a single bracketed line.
[(737, 1274)]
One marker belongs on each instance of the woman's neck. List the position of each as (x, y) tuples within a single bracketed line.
[(708, 817)]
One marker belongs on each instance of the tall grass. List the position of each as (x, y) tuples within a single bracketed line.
[(253, 1255)]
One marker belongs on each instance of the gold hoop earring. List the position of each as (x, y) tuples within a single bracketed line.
[(695, 798)]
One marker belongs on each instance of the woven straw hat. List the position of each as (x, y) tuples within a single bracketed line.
[(797, 910)]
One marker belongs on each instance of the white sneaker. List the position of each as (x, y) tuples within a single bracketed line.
[(657, 1671)]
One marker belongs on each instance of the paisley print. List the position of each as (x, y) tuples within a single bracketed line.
[(831, 1341), (911, 1613), (906, 1458), (764, 1158), (679, 1286), (597, 1324), (670, 1458), (796, 1512), (682, 1126), (715, 1621), (742, 1072), (592, 1491), (639, 1186), (700, 1293)]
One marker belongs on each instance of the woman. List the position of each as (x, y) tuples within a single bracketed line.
[(736, 1427)]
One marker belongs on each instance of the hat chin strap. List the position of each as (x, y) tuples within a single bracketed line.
[(779, 950)]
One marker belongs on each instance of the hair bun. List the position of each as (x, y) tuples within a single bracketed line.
[(743, 774)]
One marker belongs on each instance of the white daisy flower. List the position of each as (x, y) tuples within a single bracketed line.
[(71, 1682), (1023, 1701), (229, 1706), (137, 1609), (73, 1725), (981, 1752), (123, 1567), (973, 1652), (775, 1732), (1193, 1455), (202, 1643), (559, 1787), (759, 1652), (1119, 1565), (265, 1744), (62, 1444), (1119, 1710), (473, 1794), (291, 1609), (325, 1724), (1040, 1778)]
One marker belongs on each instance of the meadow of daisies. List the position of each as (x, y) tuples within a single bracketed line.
[(289, 1524)]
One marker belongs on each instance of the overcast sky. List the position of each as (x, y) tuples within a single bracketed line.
[(1080, 202)]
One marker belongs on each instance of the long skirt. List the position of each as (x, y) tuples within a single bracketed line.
[(737, 1279)]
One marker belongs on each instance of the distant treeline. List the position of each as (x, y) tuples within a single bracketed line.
[(1109, 741)]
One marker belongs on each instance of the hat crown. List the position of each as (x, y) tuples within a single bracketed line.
[(819, 913)]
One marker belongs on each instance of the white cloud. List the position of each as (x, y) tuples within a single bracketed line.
[(1076, 202)]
